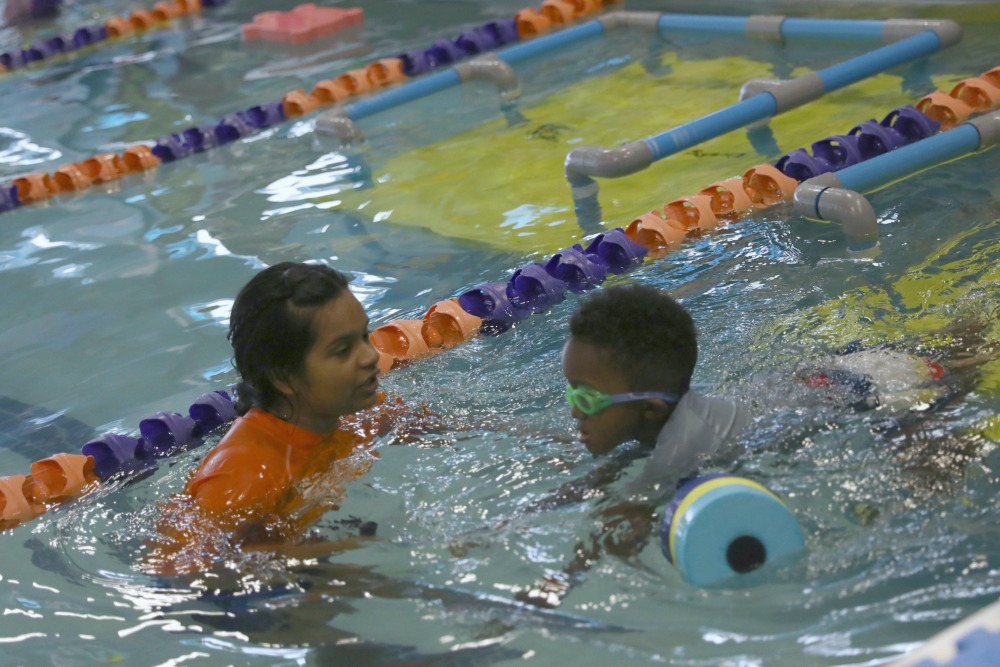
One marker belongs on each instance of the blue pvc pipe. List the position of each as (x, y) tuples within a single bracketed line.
[(763, 105), (411, 90), (716, 25), (435, 82), (887, 168), (713, 125), (878, 60), (856, 29), (846, 29), (549, 42)]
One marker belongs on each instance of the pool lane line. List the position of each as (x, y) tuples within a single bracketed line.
[(526, 24), (116, 27)]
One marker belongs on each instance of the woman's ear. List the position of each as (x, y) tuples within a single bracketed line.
[(283, 384)]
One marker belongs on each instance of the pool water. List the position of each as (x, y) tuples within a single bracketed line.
[(116, 303)]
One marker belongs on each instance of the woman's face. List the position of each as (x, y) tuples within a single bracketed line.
[(340, 372)]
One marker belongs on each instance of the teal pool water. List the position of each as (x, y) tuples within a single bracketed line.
[(116, 302)]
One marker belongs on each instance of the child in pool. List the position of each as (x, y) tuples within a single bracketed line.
[(311, 407), (628, 362)]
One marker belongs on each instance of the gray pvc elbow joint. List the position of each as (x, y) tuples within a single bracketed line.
[(787, 93), (766, 27), (988, 126), (489, 68), (622, 19), (949, 32), (335, 123), (585, 162), (821, 198)]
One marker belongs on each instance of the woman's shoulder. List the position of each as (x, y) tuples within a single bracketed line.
[(251, 443)]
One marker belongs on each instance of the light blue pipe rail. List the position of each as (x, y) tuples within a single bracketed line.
[(846, 29), (754, 109), (436, 82), (412, 90), (882, 170), (521, 52), (839, 196), (855, 69), (855, 30), (713, 125), (584, 163)]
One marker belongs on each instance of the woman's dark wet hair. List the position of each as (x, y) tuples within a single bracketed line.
[(644, 332), (271, 329)]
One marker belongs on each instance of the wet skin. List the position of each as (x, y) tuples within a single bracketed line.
[(588, 365), (340, 372)]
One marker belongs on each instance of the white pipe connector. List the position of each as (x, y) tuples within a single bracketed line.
[(823, 198), (765, 27), (787, 93), (335, 123), (949, 32), (584, 162), (988, 126), (624, 19), (490, 68)]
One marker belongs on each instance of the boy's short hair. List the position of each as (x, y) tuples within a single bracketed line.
[(648, 335)]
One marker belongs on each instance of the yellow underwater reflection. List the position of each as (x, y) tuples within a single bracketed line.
[(505, 185)]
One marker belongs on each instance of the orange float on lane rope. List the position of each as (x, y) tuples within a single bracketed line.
[(766, 185), (330, 91), (62, 476), (659, 236), (558, 12), (694, 213), (35, 187), (945, 109), (102, 168), (531, 24), (401, 339), (138, 158), (297, 103), (446, 324), (385, 71), (728, 198), (16, 501), (70, 177), (979, 93)]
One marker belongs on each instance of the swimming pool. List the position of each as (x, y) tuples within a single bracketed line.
[(115, 304)]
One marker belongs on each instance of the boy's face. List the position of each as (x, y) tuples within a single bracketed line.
[(591, 366)]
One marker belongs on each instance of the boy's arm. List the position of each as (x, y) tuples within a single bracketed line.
[(621, 530)]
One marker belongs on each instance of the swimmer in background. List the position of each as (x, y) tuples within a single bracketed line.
[(906, 391), (311, 408), (628, 362)]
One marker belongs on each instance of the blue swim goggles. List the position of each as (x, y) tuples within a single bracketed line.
[(590, 401)]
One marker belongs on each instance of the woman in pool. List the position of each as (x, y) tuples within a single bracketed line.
[(310, 409)]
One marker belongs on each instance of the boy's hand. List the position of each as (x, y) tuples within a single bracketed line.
[(548, 592)]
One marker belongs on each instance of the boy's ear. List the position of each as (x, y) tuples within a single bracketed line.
[(656, 409)]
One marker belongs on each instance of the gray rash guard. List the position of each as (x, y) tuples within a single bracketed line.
[(698, 428)]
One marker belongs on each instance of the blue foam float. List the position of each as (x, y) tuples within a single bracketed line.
[(718, 528)]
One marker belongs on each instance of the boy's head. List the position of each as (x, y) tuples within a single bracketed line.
[(627, 339)]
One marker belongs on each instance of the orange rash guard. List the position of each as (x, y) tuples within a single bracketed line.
[(265, 482)]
